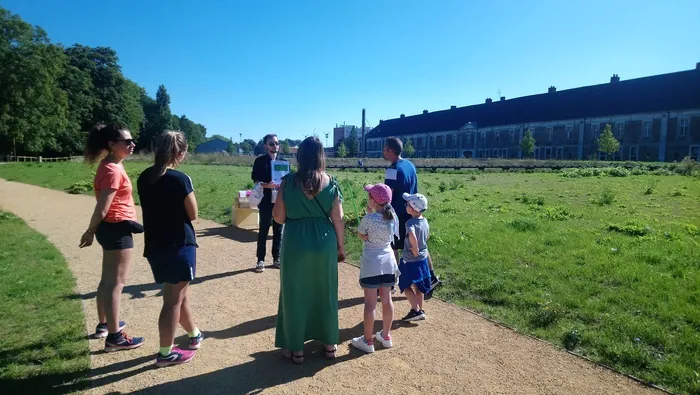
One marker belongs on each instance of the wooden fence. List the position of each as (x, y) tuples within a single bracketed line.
[(40, 159)]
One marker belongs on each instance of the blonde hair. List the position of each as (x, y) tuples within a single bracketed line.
[(171, 144)]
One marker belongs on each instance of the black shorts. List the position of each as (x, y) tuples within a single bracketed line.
[(117, 235), (398, 241), (385, 280), (173, 265)]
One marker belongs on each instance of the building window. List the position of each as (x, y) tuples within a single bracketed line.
[(454, 139), (536, 153), (548, 153), (560, 152), (595, 132), (469, 137), (618, 155), (483, 136), (550, 133), (512, 136), (646, 129), (569, 133), (504, 153), (619, 129), (497, 136), (434, 139), (634, 153), (487, 153), (694, 152), (683, 127), (481, 153)]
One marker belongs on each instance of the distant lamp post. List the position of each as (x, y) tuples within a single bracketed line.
[(240, 135), (326, 139)]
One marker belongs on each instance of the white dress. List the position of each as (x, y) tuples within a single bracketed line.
[(377, 256)]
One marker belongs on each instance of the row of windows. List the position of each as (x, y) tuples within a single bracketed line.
[(449, 140)]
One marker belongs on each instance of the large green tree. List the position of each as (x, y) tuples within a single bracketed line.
[(353, 144), (527, 144), (32, 104), (607, 142)]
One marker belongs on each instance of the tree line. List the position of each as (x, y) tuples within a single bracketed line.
[(50, 95)]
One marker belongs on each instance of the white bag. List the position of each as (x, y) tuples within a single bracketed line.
[(256, 195)]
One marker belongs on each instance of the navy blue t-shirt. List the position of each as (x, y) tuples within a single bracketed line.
[(165, 221), (401, 178)]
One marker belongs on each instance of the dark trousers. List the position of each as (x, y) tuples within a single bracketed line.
[(264, 230)]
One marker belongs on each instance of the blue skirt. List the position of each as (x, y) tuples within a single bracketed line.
[(417, 273)]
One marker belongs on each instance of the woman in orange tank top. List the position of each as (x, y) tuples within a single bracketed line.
[(113, 222)]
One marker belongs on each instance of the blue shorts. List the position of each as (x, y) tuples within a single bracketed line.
[(384, 280), (173, 265), (417, 273)]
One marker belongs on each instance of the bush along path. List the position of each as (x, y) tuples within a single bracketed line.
[(453, 351)]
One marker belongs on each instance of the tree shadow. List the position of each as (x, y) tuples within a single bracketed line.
[(232, 233), (269, 322), (66, 383), (269, 368), (138, 291)]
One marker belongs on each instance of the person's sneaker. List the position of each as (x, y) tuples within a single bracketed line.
[(176, 357), (101, 330), (196, 342), (385, 340), (276, 263), (434, 283), (423, 315), (360, 344), (260, 267), (122, 341), (413, 316)]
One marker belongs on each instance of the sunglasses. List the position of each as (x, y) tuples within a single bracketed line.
[(273, 144), (127, 141)]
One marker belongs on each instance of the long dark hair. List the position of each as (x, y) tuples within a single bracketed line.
[(311, 164), (98, 139), (170, 146)]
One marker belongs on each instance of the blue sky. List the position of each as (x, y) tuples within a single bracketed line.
[(295, 67)]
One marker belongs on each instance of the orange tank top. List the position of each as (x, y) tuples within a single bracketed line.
[(113, 176)]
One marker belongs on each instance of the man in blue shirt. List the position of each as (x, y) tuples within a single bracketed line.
[(401, 177)]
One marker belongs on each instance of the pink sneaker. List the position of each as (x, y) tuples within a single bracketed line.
[(176, 357)]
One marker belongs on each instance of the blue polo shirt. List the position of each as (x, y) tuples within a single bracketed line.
[(401, 178)]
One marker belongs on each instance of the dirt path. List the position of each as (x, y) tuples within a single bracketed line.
[(455, 351)]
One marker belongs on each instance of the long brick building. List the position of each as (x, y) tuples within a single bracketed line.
[(655, 118)]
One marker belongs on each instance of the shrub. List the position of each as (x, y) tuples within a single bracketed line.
[(571, 340), (80, 187), (687, 167), (523, 224), (618, 172), (442, 187), (630, 229), (557, 213), (544, 318), (607, 197)]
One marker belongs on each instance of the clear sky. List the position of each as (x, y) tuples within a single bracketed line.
[(295, 67)]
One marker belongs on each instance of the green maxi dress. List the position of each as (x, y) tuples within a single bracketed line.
[(308, 304)]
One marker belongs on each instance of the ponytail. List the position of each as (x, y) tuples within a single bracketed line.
[(97, 143), (388, 213), (170, 146)]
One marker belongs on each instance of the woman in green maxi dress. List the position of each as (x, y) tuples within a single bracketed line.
[(312, 246)]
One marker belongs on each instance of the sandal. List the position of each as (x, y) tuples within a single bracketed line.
[(330, 353), (296, 357)]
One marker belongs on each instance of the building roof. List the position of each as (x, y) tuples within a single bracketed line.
[(665, 92)]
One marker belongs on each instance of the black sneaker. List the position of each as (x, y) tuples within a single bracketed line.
[(276, 263), (413, 316)]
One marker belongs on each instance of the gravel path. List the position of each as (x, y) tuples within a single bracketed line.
[(454, 351)]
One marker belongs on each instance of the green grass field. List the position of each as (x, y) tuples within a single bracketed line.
[(42, 330), (607, 267)]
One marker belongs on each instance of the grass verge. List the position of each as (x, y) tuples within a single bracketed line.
[(42, 330)]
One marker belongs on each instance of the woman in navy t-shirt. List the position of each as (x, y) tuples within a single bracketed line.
[(169, 207)]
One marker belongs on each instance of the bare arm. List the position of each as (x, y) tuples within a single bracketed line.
[(104, 200), (279, 210), (362, 236), (339, 225), (191, 206), (414, 243)]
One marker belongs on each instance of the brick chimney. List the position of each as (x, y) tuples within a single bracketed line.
[(425, 112), (503, 98), (614, 78), (488, 100), (552, 89), (453, 107), (403, 115)]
